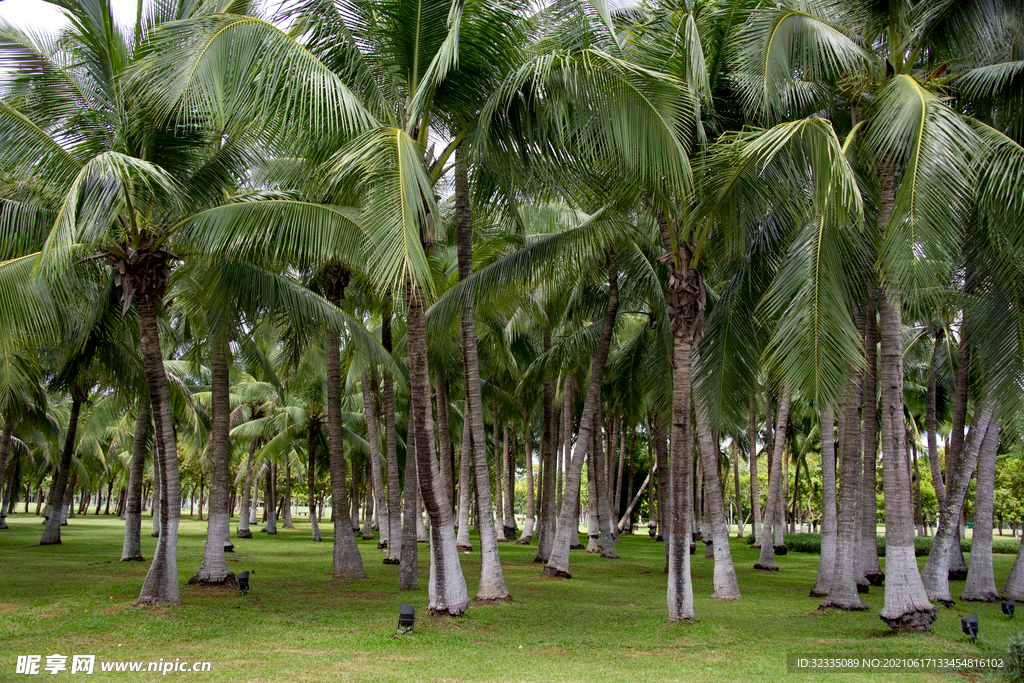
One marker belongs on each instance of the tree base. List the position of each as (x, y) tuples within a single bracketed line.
[(556, 573), (815, 593), (391, 560), (693, 548), (848, 605), (228, 581), (540, 560), (382, 545), (980, 597), (577, 546), (917, 621), (137, 558), (781, 549), (524, 541), (155, 534), (464, 548), (510, 531), (863, 587), (697, 536), (659, 538), (878, 578), (50, 541), (766, 567), (958, 574), (244, 533)]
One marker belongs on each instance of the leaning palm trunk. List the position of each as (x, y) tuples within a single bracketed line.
[(371, 433), (447, 587), (773, 510), (492, 578), (829, 529), (548, 444), (161, 583), (726, 587), (981, 582), (528, 522), (906, 603), (567, 528), (248, 503), (213, 569), (51, 534), (842, 584), (870, 568), (132, 549), (936, 571)]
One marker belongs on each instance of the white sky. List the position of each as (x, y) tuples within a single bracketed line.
[(41, 15)]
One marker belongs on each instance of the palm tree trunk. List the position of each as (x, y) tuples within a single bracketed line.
[(981, 582), (528, 522), (213, 569), (1013, 589), (348, 563), (409, 566), (447, 588), (954, 450), (245, 512), (906, 603), (394, 493), (593, 525), (661, 466), (736, 486), (842, 584), (465, 455), (131, 551), (314, 432), (5, 446), (444, 441), (286, 502), (269, 500), (548, 445), (605, 520), (161, 583), (51, 534), (157, 492), (617, 505), (755, 493), (499, 530), (931, 424), (829, 525), (726, 587), (773, 512), (371, 434), (567, 529), (936, 570), (867, 509), (509, 453), (680, 584)]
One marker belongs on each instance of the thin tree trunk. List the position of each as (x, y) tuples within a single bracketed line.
[(1013, 589), (510, 482), (528, 522), (954, 450), (931, 424), (548, 446), (736, 485), (773, 512), (981, 582), (213, 569), (567, 528), (245, 513), (755, 493), (829, 525), (906, 603), (617, 505), (918, 510), (131, 551), (51, 534), (378, 482), (465, 466), (499, 523), (663, 479), (5, 446), (314, 433), (680, 585), (287, 502), (444, 440), (447, 588), (270, 500), (394, 494), (593, 525), (605, 521), (409, 566), (867, 512)]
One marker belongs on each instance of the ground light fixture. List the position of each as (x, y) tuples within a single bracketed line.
[(406, 617), (1008, 608), (243, 583), (970, 627)]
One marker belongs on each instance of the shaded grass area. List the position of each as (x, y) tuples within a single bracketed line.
[(608, 623)]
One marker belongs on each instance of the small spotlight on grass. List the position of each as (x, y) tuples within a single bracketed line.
[(970, 627), (406, 618)]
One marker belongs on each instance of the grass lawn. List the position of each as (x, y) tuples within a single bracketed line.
[(608, 623)]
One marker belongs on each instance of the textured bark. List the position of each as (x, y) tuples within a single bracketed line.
[(981, 582), (567, 527), (248, 500), (593, 526), (936, 570), (755, 492), (1013, 589), (931, 424), (447, 587), (957, 565), (548, 444), (510, 482), (829, 525), (378, 482), (270, 500), (867, 511), (408, 568), (726, 587), (5, 446), (51, 534), (842, 584), (773, 510), (314, 433), (680, 584), (444, 442), (395, 538), (462, 537), (368, 501), (528, 522), (661, 455), (499, 524), (214, 569), (131, 551), (606, 531), (906, 603), (492, 578)]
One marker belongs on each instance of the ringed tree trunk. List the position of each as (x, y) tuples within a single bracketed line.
[(378, 483), (829, 525), (213, 569), (465, 450), (867, 508), (5, 446), (906, 603), (548, 444), (409, 566), (981, 582), (567, 530), (492, 578), (131, 551), (773, 509), (394, 493), (314, 433), (528, 522), (51, 534), (348, 563), (842, 586), (447, 587), (246, 510), (936, 570)]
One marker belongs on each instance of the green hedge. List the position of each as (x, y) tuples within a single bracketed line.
[(811, 543)]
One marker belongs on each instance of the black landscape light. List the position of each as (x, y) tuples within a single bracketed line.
[(243, 583), (406, 617), (970, 626), (1008, 608)]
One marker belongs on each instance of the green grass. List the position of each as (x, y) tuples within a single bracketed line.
[(608, 623)]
